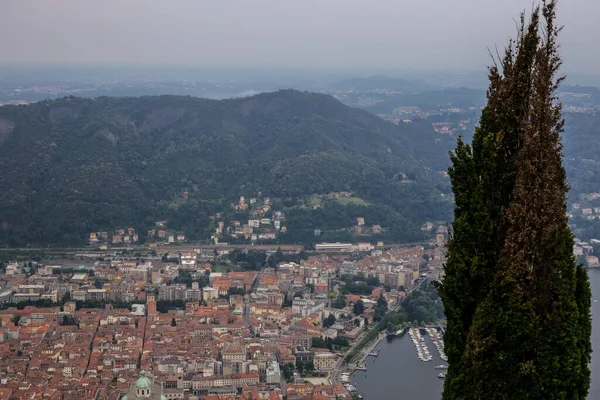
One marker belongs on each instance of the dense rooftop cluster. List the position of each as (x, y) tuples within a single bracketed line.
[(195, 326)]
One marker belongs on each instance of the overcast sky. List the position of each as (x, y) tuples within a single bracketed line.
[(414, 34)]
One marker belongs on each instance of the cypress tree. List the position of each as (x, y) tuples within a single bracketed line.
[(518, 306)]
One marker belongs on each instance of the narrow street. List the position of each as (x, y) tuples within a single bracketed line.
[(246, 308)]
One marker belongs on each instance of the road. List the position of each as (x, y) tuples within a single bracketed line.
[(246, 316), (246, 308), (172, 248)]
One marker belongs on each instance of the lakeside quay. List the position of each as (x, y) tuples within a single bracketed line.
[(397, 370), (365, 352), (370, 346)]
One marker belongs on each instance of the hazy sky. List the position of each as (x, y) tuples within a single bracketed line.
[(284, 33)]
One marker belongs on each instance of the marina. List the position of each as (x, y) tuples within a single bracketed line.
[(420, 345), (438, 342), (397, 370)]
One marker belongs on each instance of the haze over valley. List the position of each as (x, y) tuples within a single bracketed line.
[(299, 200)]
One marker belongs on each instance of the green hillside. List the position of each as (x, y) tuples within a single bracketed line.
[(76, 165)]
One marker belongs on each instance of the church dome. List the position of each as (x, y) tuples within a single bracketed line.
[(142, 382)]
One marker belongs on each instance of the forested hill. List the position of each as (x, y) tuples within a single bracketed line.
[(75, 165)]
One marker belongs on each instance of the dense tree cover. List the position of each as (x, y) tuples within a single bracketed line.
[(423, 305), (108, 162), (187, 277), (163, 306), (168, 258), (582, 162), (79, 304), (517, 304), (359, 307), (288, 371), (279, 257), (329, 321), (303, 366), (99, 283), (236, 291), (329, 343), (360, 288), (359, 285), (252, 260), (68, 319), (334, 218), (42, 303), (394, 320), (582, 153), (339, 302), (381, 308), (585, 229)]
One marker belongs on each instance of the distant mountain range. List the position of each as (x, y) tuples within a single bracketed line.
[(382, 82), (74, 165)]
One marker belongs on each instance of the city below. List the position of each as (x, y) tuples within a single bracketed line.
[(280, 200), (183, 321)]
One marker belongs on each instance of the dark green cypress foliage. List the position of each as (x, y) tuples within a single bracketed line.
[(483, 180), (517, 304), (583, 294)]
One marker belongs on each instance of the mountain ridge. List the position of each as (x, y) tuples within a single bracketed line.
[(75, 165)]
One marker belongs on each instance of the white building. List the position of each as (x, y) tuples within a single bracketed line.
[(273, 373), (334, 247), (138, 309), (348, 268), (209, 293), (304, 307)]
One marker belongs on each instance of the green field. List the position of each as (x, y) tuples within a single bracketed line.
[(221, 267), (346, 201)]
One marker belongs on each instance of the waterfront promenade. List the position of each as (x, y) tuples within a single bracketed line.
[(341, 366)]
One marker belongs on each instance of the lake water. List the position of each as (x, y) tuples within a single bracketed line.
[(398, 373)]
